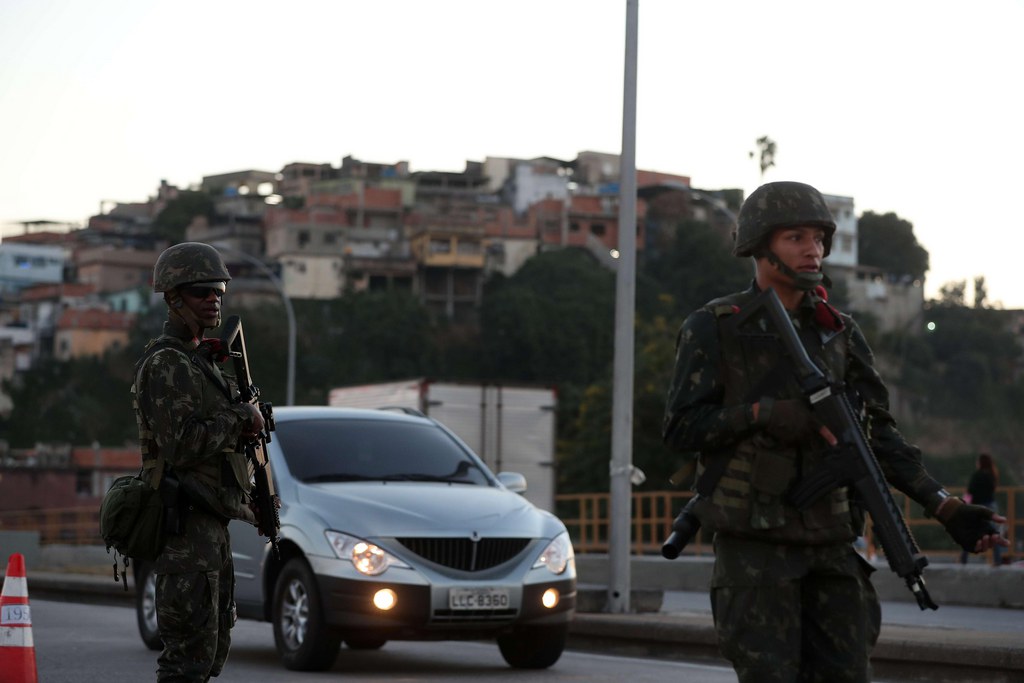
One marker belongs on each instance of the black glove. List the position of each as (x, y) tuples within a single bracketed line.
[(789, 420), (966, 523)]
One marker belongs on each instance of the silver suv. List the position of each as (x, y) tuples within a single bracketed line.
[(393, 529)]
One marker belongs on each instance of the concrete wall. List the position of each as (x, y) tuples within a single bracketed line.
[(950, 584)]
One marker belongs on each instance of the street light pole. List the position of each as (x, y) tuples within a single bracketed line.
[(621, 469), (289, 312)]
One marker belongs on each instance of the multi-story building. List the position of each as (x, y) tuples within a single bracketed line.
[(338, 242), (447, 241), (844, 241), (91, 332), (22, 265), (17, 346), (237, 233), (534, 181), (115, 269), (41, 306), (248, 183), (297, 178)]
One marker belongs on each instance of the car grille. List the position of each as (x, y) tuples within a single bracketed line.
[(452, 617), (465, 554)]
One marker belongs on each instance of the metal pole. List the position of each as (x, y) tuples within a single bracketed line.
[(621, 494), (290, 384)]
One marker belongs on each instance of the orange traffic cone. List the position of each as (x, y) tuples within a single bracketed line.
[(17, 652)]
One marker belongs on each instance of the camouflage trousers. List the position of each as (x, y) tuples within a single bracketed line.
[(195, 610), (788, 614)]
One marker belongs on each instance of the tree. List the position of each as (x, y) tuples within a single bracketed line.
[(767, 153), (888, 242), (953, 293), (980, 292), (361, 338), (696, 267), (970, 364), (552, 321), (80, 401)]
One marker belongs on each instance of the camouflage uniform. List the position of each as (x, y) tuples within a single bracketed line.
[(185, 414), (792, 600)]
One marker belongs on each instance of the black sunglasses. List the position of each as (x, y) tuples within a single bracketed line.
[(202, 292)]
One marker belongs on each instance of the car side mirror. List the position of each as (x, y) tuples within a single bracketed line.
[(513, 481)]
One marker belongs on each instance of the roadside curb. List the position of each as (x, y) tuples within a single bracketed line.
[(936, 655), (902, 653)]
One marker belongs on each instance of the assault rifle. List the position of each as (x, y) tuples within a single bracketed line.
[(268, 520), (852, 462)]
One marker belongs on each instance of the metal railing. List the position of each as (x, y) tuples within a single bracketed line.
[(72, 525), (586, 516)]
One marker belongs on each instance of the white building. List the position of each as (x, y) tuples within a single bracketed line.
[(22, 265), (844, 242)]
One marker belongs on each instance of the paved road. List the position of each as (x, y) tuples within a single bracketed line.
[(82, 643)]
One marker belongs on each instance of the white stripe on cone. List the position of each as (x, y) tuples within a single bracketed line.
[(15, 587), (16, 664)]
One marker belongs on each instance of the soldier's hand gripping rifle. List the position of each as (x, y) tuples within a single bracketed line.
[(852, 462), (268, 520)]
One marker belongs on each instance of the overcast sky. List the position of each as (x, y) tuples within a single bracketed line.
[(910, 106)]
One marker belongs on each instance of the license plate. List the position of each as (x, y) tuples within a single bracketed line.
[(478, 598)]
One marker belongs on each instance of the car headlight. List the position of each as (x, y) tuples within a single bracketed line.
[(557, 555), (366, 557)]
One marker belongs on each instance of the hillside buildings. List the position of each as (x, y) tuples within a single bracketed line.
[(326, 230)]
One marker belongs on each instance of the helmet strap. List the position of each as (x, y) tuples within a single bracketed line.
[(179, 310), (802, 281)]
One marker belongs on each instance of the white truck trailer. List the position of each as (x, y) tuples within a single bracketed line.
[(511, 428)]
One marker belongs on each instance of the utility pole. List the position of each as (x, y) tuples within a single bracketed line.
[(621, 494)]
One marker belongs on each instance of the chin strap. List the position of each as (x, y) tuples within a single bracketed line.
[(184, 313), (803, 281)]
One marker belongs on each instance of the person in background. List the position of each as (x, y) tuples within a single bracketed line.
[(981, 490)]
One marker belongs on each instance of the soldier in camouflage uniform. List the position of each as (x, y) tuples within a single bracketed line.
[(791, 599), (190, 431)]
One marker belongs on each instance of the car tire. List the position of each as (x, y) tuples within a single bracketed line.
[(303, 638), (364, 643), (533, 647), (145, 606)]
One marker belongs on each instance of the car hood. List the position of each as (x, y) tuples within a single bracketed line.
[(397, 509)]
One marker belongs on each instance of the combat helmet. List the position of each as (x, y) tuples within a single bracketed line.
[(784, 204), (188, 262)]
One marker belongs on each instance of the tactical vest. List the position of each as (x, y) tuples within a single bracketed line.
[(216, 485), (750, 498)]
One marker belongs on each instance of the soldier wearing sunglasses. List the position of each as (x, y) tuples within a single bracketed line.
[(189, 429)]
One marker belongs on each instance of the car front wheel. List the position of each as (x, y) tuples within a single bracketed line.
[(303, 638), (145, 606), (533, 647)]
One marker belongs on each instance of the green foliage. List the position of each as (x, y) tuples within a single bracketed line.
[(966, 365), (77, 402), (170, 223), (698, 266), (361, 338), (550, 322), (888, 242)]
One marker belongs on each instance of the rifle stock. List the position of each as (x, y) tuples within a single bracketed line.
[(852, 463), (268, 520)]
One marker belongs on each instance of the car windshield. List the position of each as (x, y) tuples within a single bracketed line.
[(374, 450)]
